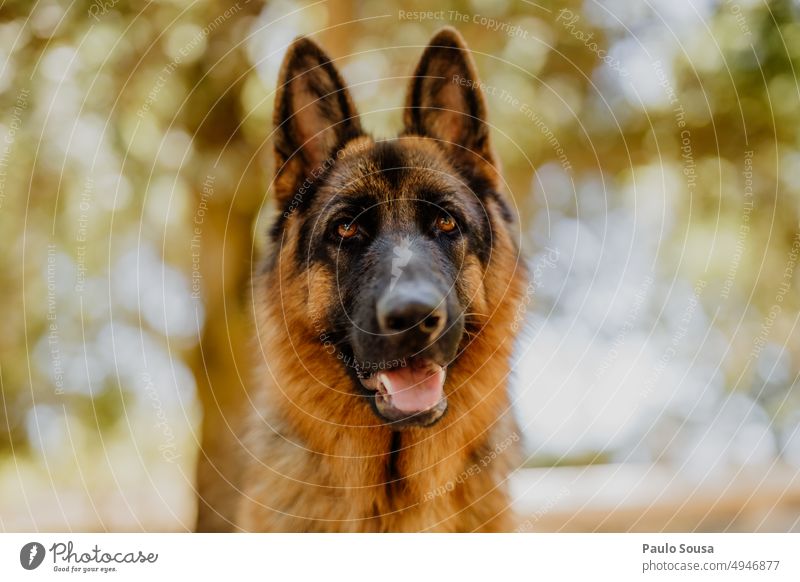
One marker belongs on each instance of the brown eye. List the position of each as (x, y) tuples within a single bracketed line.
[(445, 223), (347, 229)]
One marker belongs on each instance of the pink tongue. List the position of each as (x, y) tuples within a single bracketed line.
[(413, 389)]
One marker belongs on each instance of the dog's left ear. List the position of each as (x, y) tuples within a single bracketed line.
[(445, 101)]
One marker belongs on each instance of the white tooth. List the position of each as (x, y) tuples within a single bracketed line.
[(386, 383)]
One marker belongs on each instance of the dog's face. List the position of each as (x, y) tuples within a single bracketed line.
[(392, 237)]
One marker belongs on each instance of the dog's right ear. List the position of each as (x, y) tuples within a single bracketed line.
[(314, 116)]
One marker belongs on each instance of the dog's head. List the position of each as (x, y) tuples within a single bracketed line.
[(391, 238)]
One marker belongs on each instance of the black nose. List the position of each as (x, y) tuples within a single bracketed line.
[(416, 309)]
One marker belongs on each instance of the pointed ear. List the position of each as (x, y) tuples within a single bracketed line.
[(314, 115), (445, 101)]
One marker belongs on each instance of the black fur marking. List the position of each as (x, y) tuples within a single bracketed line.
[(470, 215), (314, 244), (390, 159), (300, 204), (505, 211), (392, 469)]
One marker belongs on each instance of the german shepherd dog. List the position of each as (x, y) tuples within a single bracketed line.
[(384, 312)]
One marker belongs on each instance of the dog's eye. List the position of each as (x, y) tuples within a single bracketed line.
[(347, 229), (445, 223)]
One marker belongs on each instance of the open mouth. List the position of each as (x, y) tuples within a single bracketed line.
[(410, 393)]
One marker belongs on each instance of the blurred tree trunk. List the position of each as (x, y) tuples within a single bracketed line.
[(238, 185), (226, 353)]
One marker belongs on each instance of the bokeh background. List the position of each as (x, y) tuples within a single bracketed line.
[(652, 150)]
